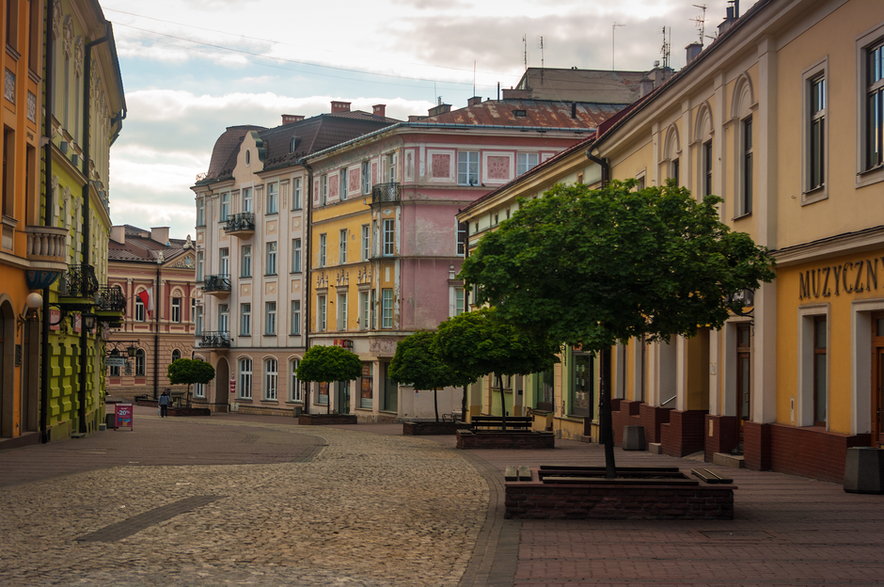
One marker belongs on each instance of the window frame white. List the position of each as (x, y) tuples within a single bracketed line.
[(271, 379), (244, 368)]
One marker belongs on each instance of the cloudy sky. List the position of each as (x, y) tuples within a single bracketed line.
[(191, 68)]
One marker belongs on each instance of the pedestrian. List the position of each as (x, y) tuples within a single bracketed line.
[(165, 401)]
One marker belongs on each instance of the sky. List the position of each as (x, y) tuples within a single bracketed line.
[(191, 68)]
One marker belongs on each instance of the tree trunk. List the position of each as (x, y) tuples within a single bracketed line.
[(502, 396), (463, 403), (606, 425), (436, 404)]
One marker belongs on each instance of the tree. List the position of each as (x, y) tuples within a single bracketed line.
[(417, 363), (597, 267), (190, 371), (481, 342), (326, 364)]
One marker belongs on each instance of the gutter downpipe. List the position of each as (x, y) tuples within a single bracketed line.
[(607, 426), (47, 220), (308, 263)]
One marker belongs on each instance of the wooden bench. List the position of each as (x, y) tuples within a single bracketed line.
[(500, 423), (710, 476)]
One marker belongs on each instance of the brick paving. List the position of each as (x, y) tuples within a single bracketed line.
[(258, 500)]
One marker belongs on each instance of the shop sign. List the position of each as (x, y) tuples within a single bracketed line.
[(850, 277), (115, 361)]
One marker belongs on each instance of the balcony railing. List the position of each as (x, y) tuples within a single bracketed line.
[(240, 223), (217, 284), (47, 243), (78, 281), (382, 193), (218, 339), (110, 299)]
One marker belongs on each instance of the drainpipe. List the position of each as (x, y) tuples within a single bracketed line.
[(308, 262), (606, 424), (47, 220), (156, 333)]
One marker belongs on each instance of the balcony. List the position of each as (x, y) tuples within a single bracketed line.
[(218, 339), (110, 305), (77, 288), (386, 193), (47, 251), (241, 225), (217, 285)]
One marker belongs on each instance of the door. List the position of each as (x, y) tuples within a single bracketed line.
[(744, 376), (342, 397), (878, 379)]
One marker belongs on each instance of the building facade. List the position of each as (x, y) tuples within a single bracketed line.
[(155, 275)]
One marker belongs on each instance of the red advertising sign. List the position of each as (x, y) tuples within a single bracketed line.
[(124, 416), (232, 385)]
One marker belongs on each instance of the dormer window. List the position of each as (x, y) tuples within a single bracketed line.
[(293, 144), (248, 157), (520, 113)]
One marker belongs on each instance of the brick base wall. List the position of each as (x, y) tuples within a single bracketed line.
[(683, 434), (652, 417), (756, 446), (722, 434), (612, 501), (811, 452), (626, 415), (325, 419), (514, 439), (429, 428)]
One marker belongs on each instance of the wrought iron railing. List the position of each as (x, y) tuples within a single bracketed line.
[(78, 281), (241, 222), (386, 192), (218, 339), (110, 299), (216, 283)]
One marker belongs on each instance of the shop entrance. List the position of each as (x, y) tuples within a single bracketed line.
[(744, 376), (878, 379)]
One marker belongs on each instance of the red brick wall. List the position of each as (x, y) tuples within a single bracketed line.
[(627, 415), (684, 433), (811, 452), (756, 446), (483, 439), (725, 434), (652, 417)]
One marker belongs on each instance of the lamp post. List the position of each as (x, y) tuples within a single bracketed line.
[(156, 334)]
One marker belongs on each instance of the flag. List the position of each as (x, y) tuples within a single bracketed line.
[(145, 296)]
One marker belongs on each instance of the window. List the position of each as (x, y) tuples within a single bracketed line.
[(272, 198), (366, 242), (245, 319), (468, 168), (296, 255), (386, 308), (199, 390), (247, 200), (322, 250), (8, 168), (323, 189), (12, 25), (140, 363), (295, 327), (223, 317), (342, 311), (271, 378), (820, 371), (270, 259), (744, 370), (296, 193), (176, 309), (462, 228), (342, 183), (544, 390), (176, 354), (363, 310), (269, 318), (200, 264), (389, 237), (390, 161), (525, 161), (745, 206), (139, 309), (873, 110), (200, 212), (457, 301), (366, 177), (372, 309), (192, 308), (198, 320), (114, 371), (244, 381), (342, 246), (294, 384), (321, 322), (582, 385), (245, 264), (816, 133), (225, 207), (674, 170), (224, 261), (707, 167)]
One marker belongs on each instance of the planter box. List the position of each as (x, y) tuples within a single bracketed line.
[(864, 470), (589, 495), (505, 439), (326, 419), (415, 428)]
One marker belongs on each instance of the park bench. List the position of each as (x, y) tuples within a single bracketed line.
[(710, 476), (500, 423), (503, 432)]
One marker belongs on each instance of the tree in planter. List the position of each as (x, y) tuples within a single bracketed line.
[(480, 342), (190, 371), (597, 267), (327, 364), (417, 363)]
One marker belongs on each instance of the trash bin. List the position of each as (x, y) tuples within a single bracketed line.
[(110, 420), (634, 438), (864, 470)]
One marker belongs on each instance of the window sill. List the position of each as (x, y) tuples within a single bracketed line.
[(742, 216), (870, 176), (271, 213), (815, 195)]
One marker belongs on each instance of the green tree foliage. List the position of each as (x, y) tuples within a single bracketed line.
[(326, 364), (482, 342), (190, 371), (417, 363), (594, 267)]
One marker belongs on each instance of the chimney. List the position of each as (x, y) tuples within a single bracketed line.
[(160, 234), (474, 100), (379, 110), (340, 106), (646, 86), (693, 50), (290, 118), (440, 109), (732, 13), (118, 234)]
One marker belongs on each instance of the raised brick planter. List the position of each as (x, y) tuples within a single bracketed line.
[(326, 419), (505, 439), (415, 428), (605, 499)]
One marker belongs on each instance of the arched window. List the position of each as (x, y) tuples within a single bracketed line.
[(706, 160), (673, 150), (743, 104), (176, 354), (244, 387), (294, 384), (140, 363)]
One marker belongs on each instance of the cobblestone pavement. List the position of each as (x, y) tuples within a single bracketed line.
[(367, 509)]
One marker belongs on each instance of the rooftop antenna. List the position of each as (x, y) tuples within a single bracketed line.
[(474, 77), (525, 51), (700, 22), (664, 50), (613, 27), (541, 59)]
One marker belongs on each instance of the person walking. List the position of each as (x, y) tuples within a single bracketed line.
[(165, 401)]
